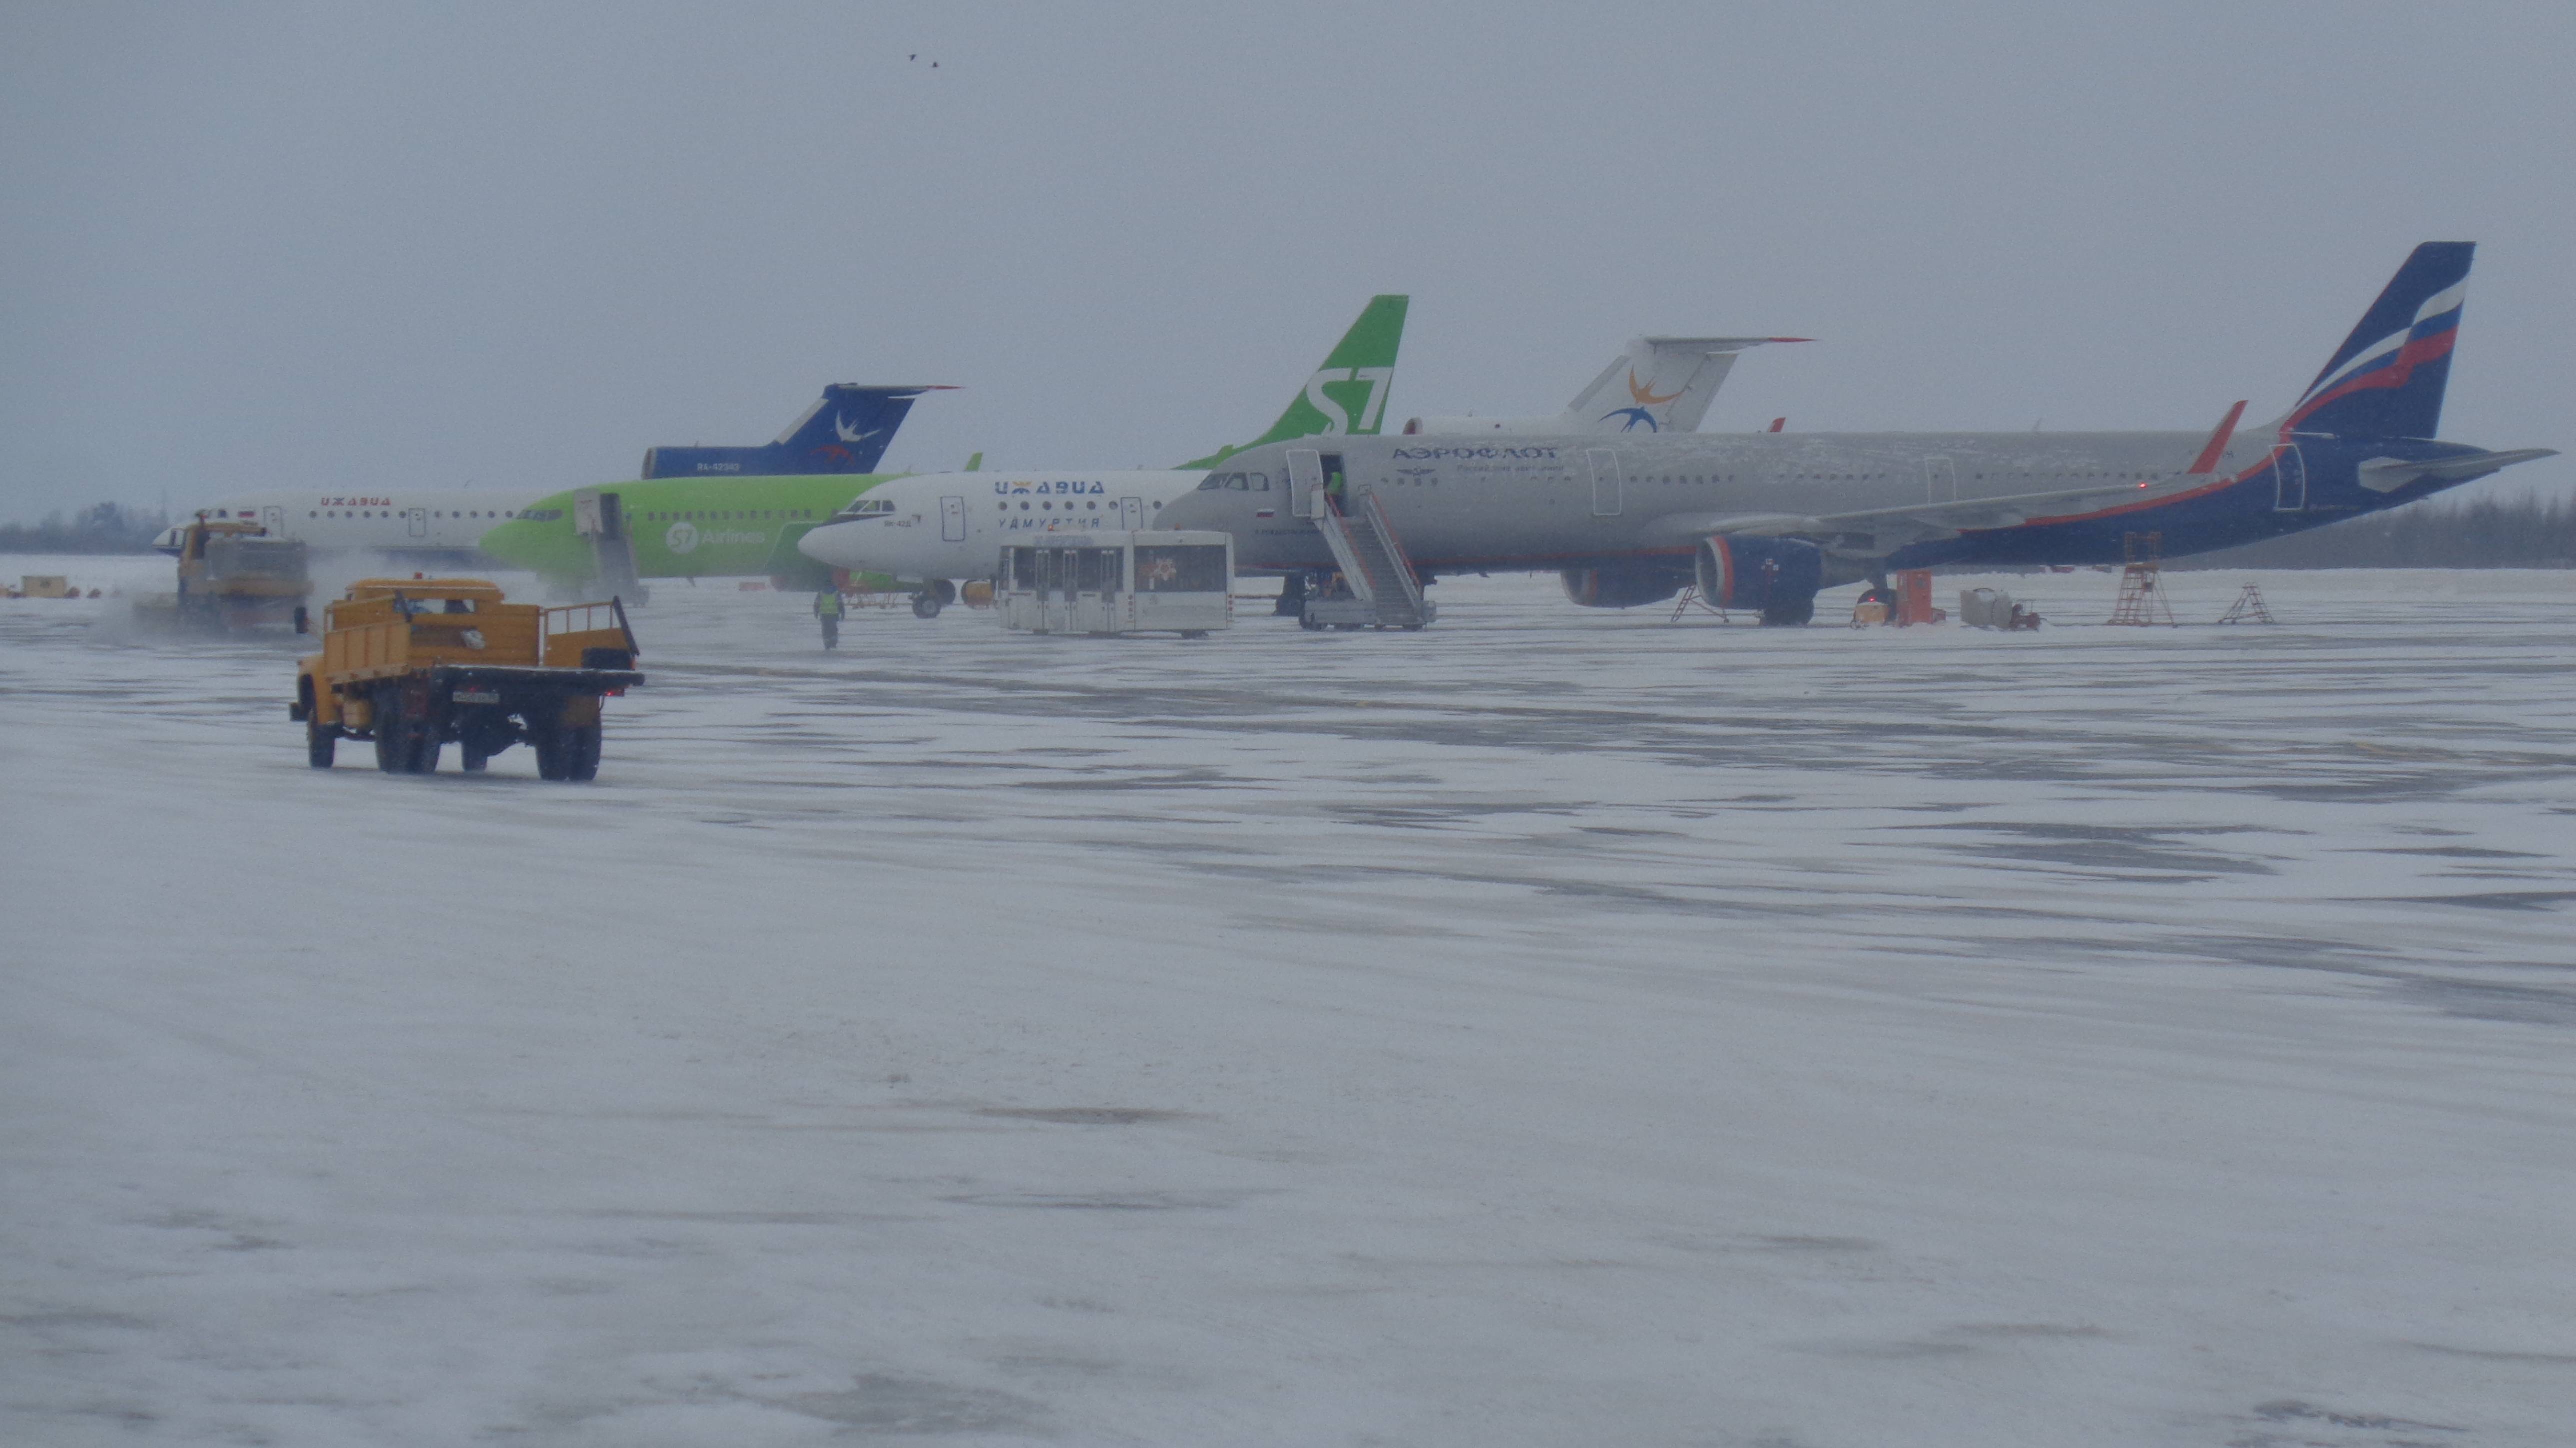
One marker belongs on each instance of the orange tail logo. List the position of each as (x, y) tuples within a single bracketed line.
[(1645, 393)]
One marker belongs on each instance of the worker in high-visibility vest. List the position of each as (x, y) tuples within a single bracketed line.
[(827, 607)]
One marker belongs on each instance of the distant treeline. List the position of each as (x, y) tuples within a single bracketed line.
[(2527, 533), (105, 528)]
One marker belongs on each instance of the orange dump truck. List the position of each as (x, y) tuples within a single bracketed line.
[(415, 663)]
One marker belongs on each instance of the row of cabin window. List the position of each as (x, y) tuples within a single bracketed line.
[(360, 513), (1049, 507), (732, 516)]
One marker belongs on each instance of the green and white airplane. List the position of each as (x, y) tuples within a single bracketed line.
[(617, 535)]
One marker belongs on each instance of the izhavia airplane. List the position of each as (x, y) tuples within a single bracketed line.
[(845, 431), (1764, 521), (943, 526), (935, 528)]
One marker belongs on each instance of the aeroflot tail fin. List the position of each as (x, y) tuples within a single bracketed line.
[(847, 430), (1660, 384), (1347, 395), (2388, 377)]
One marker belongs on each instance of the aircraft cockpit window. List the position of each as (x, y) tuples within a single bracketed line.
[(1213, 482), (1260, 482)]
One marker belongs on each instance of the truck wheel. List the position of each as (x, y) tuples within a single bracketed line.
[(475, 759), (548, 741), (393, 738), (424, 748), (321, 744), (581, 753)]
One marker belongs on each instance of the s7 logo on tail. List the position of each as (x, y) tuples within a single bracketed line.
[(1336, 419)]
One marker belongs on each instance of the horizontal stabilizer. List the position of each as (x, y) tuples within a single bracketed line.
[(2387, 475)]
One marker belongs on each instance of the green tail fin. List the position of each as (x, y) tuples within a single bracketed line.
[(1348, 395)]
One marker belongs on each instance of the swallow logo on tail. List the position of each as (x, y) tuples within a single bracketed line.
[(1643, 394)]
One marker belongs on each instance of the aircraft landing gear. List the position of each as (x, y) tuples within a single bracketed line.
[(934, 596)]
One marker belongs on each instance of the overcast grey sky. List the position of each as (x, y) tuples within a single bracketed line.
[(513, 245)]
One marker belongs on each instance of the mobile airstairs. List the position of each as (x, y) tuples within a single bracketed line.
[(601, 518), (1378, 587)]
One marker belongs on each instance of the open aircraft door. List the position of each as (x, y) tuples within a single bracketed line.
[(952, 520), (1305, 482), (2290, 481)]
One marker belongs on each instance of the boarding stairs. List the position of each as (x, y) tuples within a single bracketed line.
[(1371, 557), (601, 518)]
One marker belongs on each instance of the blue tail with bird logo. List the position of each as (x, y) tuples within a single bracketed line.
[(846, 431)]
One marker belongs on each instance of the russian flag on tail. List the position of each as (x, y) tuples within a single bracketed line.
[(2388, 377)]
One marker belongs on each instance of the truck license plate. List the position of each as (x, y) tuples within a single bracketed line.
[(477, 696)]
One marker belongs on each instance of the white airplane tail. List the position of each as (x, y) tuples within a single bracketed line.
[(1659, 384)]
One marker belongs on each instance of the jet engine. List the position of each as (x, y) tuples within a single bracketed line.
[(1778, 576), (1626, 585)]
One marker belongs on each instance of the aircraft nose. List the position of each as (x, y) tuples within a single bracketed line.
[(842, 545), (1194, 510), (512, 543)]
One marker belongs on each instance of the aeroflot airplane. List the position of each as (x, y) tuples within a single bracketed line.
[(1764, 521), (943, 526), (845, 431)]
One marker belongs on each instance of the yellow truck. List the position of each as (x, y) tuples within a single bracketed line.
[(414, 663)]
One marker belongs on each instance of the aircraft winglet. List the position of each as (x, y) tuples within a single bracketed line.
[(2207, 462)]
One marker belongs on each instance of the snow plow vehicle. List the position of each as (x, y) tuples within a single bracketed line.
[(232, 577), (415, 663)]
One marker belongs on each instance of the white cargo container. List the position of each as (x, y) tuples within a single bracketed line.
[(1119, 583)]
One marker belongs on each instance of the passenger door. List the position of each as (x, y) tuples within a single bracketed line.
[(274, 520), (1940, 481), (952, 520), (419, 518), (1609, 487), (1131, 514), (2290, 481)]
